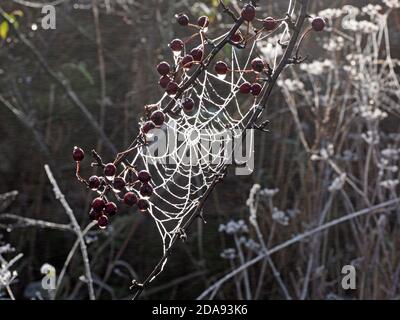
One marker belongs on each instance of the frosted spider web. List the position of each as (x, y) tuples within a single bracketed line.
[(179, 184)]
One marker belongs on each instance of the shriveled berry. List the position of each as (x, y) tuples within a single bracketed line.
[(98, 204), (318, 24), (245, 88), (203, 22), (172, 88), (270, 23), (146, 190), (93, 215), (182, 19), (130, 199), (221, 67), (188, 104), (78, 154), (164, 81), (256, 89), (94, 182), (197, 54), (110, 169), (248, 12), (144, 176), (119, 183), (187, 62), (103, 221), (176, 45), (257, 65), (163, 68), (158, 118), (111, 209), (143, 205), (148, 126)]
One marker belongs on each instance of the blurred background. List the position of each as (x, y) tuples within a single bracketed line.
[(332, 150)]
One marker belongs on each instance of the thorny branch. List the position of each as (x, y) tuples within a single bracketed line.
[(285, 61)]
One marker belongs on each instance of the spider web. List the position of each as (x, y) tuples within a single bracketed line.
[(187, 168)]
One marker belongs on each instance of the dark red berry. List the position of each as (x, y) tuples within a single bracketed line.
[(188, 104), (318, 24), (130, 199), (146, 190), (143, 205), (203, 22), (103, 221), (111, 209), (187, 61), (93, 215), (176, 45), (172, 88), (197, 54), (148, 126), (182, 19), (110, 169), (237, 38), (78, 154), (98, 204), (248, 12), (163, 68), (257, 65), (94, 182), (119, 183), (144, 176), (245, 88), (270, 23), (158, 118), (256, 89), (221, 68), (164, 81)]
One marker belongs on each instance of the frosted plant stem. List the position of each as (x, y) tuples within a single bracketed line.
[(60, 196)]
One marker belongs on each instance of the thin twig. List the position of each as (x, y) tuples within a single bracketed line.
[(59, 196)]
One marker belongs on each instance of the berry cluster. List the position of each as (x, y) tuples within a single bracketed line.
[(134, 185)]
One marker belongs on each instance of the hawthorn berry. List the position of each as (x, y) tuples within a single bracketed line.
[(257, 65), (146, 190), (176, 46), (103, 221), (182, 19), (203, 22), (163, 68), (187, 62), (318, 24), (98, 204), (130, 199), (158, 118), (144, 176), (188, 104), (143, 205), (147, 127), (164, 81), (94, 182), (110, 209), (248, 12), (245, 88), (172, 89), (110, 169), (221, 68), (256, 89), (119, 183), (197, 54), (78, 154), (270, 23), (93, 215)]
